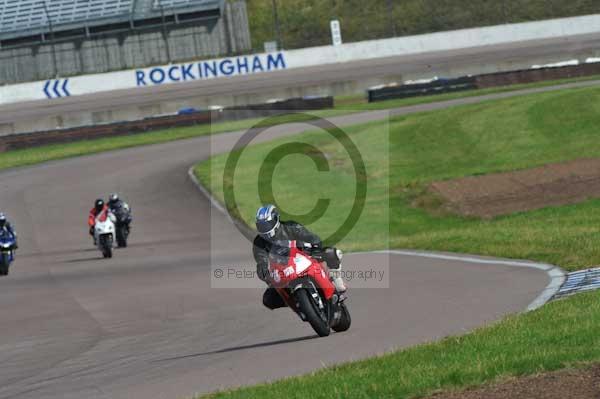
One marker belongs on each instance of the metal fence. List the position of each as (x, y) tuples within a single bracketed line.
[(305, 23)]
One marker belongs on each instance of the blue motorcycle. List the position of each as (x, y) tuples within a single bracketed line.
[(7, 251)]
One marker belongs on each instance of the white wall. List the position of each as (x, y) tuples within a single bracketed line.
[(263, 63)]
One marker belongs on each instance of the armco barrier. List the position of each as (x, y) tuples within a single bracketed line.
[(29, 140), (438, 86), (536, 75), (483, 81)]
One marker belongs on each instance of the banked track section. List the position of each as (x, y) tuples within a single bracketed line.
[(147, 324), (287, 83)]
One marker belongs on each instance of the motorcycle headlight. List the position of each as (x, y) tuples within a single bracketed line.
[(339, 254)]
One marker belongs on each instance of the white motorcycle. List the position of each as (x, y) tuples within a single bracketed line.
[(104, 232)]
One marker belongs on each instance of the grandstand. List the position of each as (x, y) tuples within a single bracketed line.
[(42, 39), (33, 20)]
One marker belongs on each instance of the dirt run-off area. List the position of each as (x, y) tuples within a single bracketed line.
[(564, 384), (505, 193)]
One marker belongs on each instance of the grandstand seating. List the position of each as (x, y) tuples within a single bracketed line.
[(22, 15), (171, 4), (24, 18)]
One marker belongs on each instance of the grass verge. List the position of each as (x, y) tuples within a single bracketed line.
[(346, 105), (561, 334)]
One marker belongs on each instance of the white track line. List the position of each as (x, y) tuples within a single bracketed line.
[(556, 274), (214, 202)]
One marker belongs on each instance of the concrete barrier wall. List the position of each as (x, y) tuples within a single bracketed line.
[(449, 40), (264, 63)]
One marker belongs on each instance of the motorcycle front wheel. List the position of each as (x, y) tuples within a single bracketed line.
[(4, 264), (318, 321), (107, 253), (106, 243), (344, 323)]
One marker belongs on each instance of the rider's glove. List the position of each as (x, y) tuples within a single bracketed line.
[(307, 246)]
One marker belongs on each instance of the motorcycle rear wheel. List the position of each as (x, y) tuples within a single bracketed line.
[(312, 313), (122, 236)]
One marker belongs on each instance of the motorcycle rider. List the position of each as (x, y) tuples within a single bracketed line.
[(99, 207), (271, 230), (6, 226), (115, 203)]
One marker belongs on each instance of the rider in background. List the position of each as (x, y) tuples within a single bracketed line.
[(115, 204), (270, 230), (6, 226), (99, 206)]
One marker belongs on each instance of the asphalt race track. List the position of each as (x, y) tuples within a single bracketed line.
[(147, 324), (429, 64)]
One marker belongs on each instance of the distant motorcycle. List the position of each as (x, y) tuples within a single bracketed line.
[(123, 221), (104, 232), (7, 251), (304, 284)]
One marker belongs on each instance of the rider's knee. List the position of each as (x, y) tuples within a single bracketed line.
[(267, 302), (272, 300)]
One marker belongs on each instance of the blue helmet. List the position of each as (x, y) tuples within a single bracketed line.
[(267, 221)]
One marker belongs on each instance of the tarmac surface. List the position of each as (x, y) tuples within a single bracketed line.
[(147, 324)]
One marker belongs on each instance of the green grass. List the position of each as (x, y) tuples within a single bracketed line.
[(561, 334), (510, 134), (347, 104)]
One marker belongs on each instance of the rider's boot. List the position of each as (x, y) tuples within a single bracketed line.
[(337, 280), (333, 259)]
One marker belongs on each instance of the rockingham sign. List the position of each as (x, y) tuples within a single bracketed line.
[(245, 65), (154, 76)]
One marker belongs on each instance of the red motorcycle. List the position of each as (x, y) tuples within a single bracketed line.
[(303, 282)]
